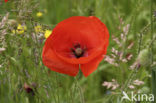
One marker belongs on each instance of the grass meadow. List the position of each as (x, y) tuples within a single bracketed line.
[(129, 65)]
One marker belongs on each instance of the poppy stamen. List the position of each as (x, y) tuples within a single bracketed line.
[(78, 51)]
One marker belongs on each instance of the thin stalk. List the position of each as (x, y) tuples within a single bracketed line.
[(140, 43), (80, 90), (151, 31), (57, 87), (151, 56)]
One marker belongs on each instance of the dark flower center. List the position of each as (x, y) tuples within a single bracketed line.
[(78, 51)]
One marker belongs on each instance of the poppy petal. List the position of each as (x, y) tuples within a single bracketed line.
[(90, 32), (91, 66), (54, 63), (59, 52)]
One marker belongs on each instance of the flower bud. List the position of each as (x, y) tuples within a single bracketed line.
[(143, 57)]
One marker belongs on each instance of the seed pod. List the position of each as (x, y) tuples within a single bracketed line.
[(28, 89)]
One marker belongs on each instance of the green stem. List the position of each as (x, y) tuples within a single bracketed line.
[(151, 31), (151, 56), (80, 90)]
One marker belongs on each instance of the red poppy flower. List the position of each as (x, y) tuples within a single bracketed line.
[(77, 42), (6, 0)]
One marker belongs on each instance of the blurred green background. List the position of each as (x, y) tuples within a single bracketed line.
[(24, 78)]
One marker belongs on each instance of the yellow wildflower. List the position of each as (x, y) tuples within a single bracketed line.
[(38, 29), (20, 29), (47, 33), (13, 31), (39, 14)]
